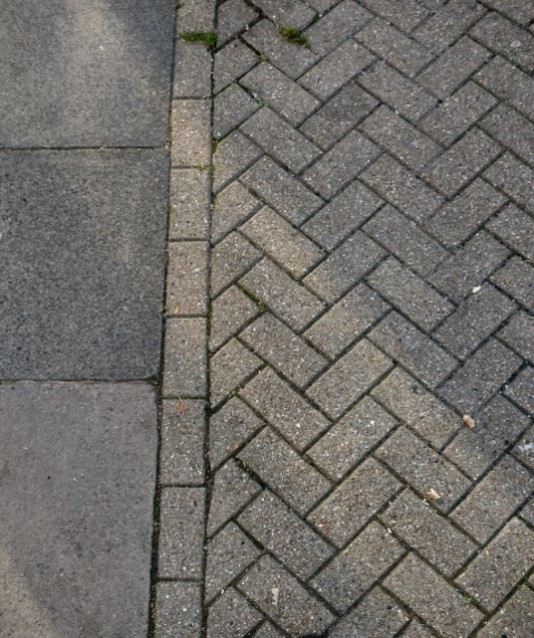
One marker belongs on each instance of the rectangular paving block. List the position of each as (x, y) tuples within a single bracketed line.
[(191, 139), (78, 478), (178, 608), (185, 358), (82, 263), (187, 278)]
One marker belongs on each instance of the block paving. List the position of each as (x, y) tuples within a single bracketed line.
[(347, 445)]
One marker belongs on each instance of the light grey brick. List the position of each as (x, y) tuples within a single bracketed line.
[(178, 608), (229, 313), (229, 368), (196, 15), (293, 12), (340, 23), (231, 616), (524, 450), (230, 258), (411, 15), (187, 278), (192, 70), (516, 615), (231, 107), (189, 201), (515, 178), (521, 390), (232, 206), (267, 630), (185, 358), (232, 62), (517, 279), (416, 630), (521, 11), (516, 229), (512, 130), (450, 21), (232, 156), (191, 138), (233, 16)]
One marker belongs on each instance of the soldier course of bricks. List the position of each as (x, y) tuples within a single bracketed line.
[(347, 447)]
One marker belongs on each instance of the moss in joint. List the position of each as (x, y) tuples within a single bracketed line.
[(290, 34), (208, 38)]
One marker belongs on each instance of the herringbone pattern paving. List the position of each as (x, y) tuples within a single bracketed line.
[(372, 335)]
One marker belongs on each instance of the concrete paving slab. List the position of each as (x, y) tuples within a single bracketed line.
[(82, 240), (77, 475), (78, 73)]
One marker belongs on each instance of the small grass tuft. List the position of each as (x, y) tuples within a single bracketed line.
[(290, 34), (208, 38)]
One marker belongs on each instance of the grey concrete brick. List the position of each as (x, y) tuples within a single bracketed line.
[(351, 438), (356, 500), (338, 115), (293, 12), (284, 409), (283, 349), (453, 67), (187, 278), (178, 608), (342, 215), (496, 427), (400, 93), (519, 335), (232, 206), (232, 156), (347, 320), (377, 615), (411, 294), (400, 138), (459, 218), (355, 257), (181, 532), (448, 23), (391, 44), (402, 188), (195, 15), (517, 279), (527, 513), (416, 630), (462, 161), (231, 107), (338, 166), (457, 113), (231, 616), (481, 375), (267, 630), (191, 137), (228, 554), (181, 457), (512, 130), (281, 190), (469, 266), (232, 62), (336, 69), (349, 378), (296, 610), (233, 17), (494, 499), (189, 201), (292, 302), (411, 15), (524, 450), (232, 490), (192, 70), (230, 258), (282, 469), (406, 240), (322, 5), (282, 532), (521, 11), (229, 313), (431, 534), (273, 235), (521, 391), (515, 178), (516, 229), (515, 616), (230, 427), (279, 92), (494, 573), (506, 38), (416, 407), (423, 468), (340, 23), (432, 598), (185, 358), (357, 567), (229, 368), (475, 319), (401, 340)]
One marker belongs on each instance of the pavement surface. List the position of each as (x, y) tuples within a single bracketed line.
[(335, 414)]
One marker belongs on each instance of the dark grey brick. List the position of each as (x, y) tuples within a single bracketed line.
[(232, 106), (423, 468), (494, 499), (357, 567), (368, 488), (349, 378), (230, 258), (229, 369), (229, 312), (283, 470), (405, 240), (293, 12), (232, 62), (431, 534), (231, 616), (521, 391), (233, 17), (196, 15), (284, 409), (187, 278), (511, 130), (185, 358), (448, 23), (524, 450), (178, 608), (356, 256), (267, 630), (295, 609), (516, 615), (411, 294), (338, 166), (519, 335), (402, 188), (496, 426), (513, 177), (189, 201), (459, 218), (232, 206), (469, 267), (475, 319), (411, 15), (481, 375), (416, 630), (521, 11), (351, 438), (342, 215), (517, 279), (232, 156), (516, 229), (192, 70), (284, 534)]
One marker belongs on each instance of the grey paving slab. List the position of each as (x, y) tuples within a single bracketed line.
[(92, 74), (82, 263), (78, 478)]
